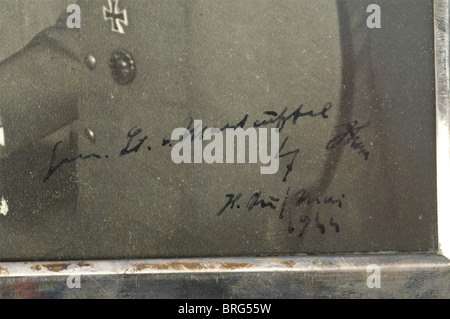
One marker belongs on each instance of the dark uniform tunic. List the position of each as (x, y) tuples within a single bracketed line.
[(88, 115)]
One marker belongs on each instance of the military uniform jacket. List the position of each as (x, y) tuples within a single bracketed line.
[(88, 115)]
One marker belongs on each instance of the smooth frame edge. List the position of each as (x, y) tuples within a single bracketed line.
[(441, 18)]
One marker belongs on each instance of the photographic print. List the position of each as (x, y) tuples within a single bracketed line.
[(184, 129)]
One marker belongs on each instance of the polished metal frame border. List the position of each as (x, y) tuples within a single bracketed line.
[(346, 276), (442, 32)]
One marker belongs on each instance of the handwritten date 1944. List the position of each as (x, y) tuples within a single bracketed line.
[(305, 221), (302, 197)]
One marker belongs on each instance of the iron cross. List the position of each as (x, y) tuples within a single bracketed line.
[(116, 16)]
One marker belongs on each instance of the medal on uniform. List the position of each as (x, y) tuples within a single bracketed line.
[(117, 16)]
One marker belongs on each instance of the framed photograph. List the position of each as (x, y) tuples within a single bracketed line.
[(224, 149)]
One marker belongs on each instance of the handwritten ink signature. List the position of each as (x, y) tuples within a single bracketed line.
[(134, 132), (350, 137), (279, 120), (66, 160), (55, 165)]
